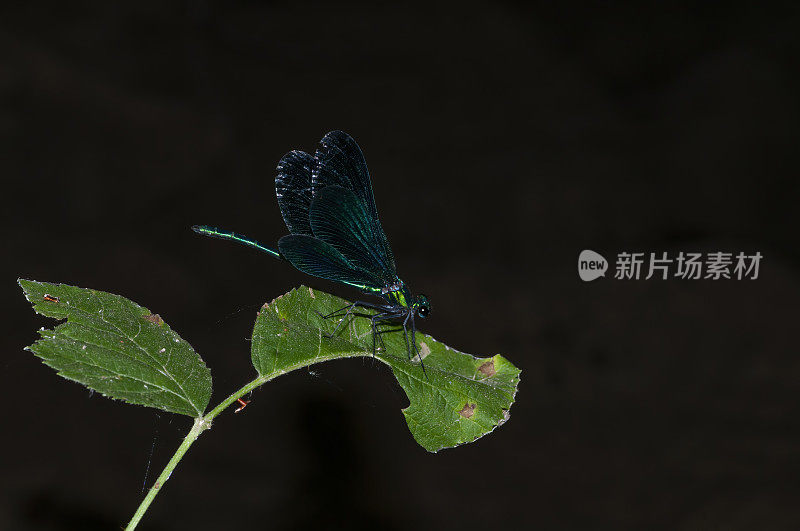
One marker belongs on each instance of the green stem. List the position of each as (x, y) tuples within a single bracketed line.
[(246, 388), (194, 433), (201, 424)]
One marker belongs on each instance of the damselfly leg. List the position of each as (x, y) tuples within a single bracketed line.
[(387, 315)]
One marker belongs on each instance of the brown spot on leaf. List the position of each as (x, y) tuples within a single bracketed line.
[(50, 298), (157, 485), (311, 292), (154, 318), (468, 410), (487, 369)]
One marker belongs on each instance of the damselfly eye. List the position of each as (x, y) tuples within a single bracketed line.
[(422, 306)]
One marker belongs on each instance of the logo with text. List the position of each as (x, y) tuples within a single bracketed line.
[(685, 266), (591, 265)]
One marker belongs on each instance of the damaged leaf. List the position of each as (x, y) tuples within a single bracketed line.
[(115, 347), (458, 399)]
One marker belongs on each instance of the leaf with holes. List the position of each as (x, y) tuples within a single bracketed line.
[(114, 346), (458, 399)]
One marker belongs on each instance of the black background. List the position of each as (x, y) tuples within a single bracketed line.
[(502, 140)]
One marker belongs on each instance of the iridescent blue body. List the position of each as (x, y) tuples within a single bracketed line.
[(327, 203)]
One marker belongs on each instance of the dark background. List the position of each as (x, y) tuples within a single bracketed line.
[(502, 139)]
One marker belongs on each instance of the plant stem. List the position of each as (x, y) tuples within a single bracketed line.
[(197, 429), (201, 424), (246, 388)]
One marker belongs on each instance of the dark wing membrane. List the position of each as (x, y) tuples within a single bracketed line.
[(317, 258), (340, 219), (293, 188), (339, 162)]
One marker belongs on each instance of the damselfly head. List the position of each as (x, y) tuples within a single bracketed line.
[(422, 306)]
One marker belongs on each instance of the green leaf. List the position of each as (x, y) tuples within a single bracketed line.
[(114, 346), (461, 399)]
